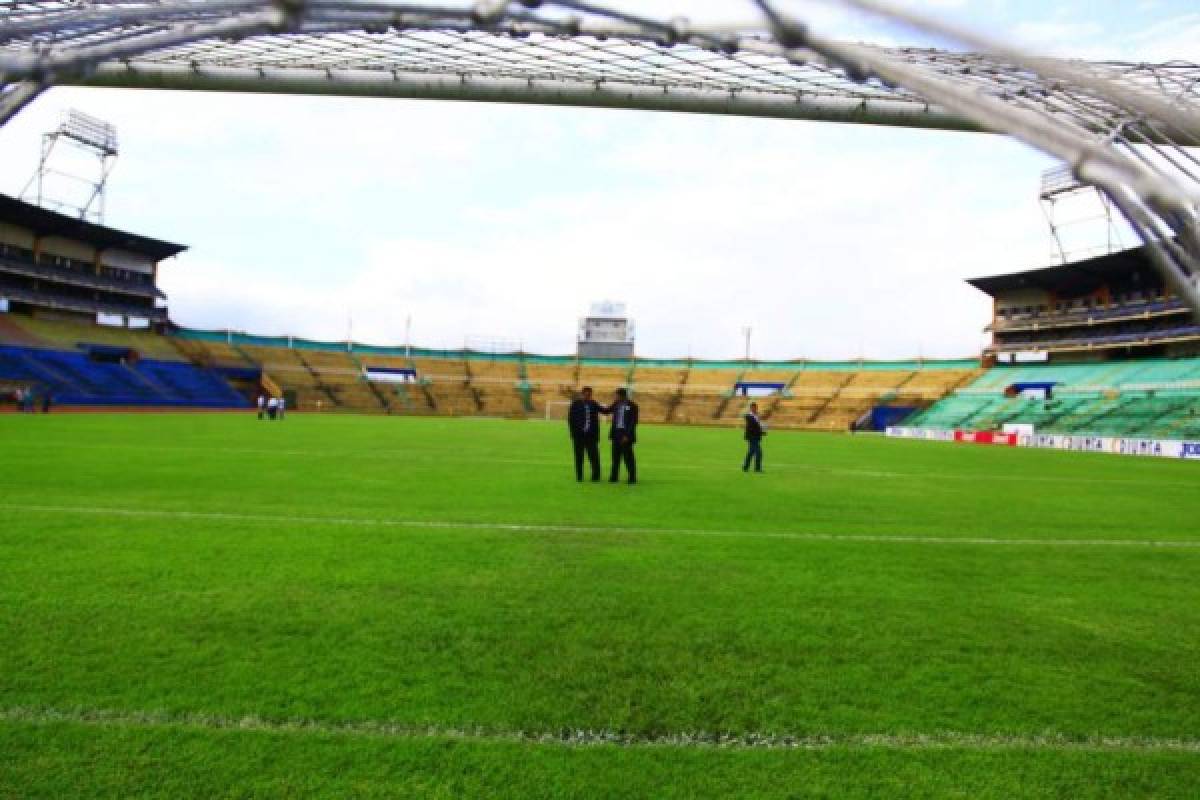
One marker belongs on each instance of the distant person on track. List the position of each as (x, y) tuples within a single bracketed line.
[(623, 434), (583, 421), (754, 433), (262, 405), (47, 401), (282, 406), (272, 408)]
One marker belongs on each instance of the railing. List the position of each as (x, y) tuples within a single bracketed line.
[(1084, 343), (66, 303), (30, 270), (1089, 316)]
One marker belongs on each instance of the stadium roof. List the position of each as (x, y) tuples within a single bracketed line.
[(45, 222), (1079, 276)]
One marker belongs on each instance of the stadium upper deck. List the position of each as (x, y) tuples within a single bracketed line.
[(54, 262), (1109, 306)]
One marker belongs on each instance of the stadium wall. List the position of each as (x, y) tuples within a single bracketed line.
[(1115, 445)]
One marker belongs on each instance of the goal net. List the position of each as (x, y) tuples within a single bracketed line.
[(1128, 129)]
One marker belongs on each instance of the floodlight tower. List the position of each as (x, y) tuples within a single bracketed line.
[(97, 141), (1060, 186)]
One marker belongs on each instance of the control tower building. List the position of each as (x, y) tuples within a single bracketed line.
[(606, 332)]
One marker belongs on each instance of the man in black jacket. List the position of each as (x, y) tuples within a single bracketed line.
[(623, 434), (583, 421), (754, 434)]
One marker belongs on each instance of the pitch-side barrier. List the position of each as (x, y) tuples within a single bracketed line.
[(1162, 448)]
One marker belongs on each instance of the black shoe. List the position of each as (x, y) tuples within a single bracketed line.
[(595, 478), (612, 480), (745, 469), (632, 480)]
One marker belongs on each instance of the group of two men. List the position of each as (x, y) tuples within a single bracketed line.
[(583, 421)]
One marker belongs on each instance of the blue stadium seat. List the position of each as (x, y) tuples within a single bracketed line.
[(75, 379)]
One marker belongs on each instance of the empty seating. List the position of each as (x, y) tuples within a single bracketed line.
[(1150, 398), (441, 370), (211, 352), (603, 378), (500, 400), (73, 378), (495, 371), (67, 334)]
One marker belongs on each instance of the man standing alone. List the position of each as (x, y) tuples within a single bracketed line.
[(754, 434), (583, 421), (623, 435)]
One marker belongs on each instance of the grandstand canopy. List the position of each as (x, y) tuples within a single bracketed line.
[(44, 222), (1127, 266)]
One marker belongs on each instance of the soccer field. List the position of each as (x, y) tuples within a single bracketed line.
[(209, 606)]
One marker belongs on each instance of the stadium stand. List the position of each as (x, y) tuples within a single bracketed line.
[(60, 277), (657, 390), (550, 382), (339, 376), (87, 364), (1098, 346), (1115, 305), (55, 262), (1143, 397), (816, 396), (79, 378), (67, 334)]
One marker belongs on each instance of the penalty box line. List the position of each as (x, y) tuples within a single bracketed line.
[(587, 737), (417, 524)]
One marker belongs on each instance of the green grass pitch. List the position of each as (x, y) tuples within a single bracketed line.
[(333, 606)]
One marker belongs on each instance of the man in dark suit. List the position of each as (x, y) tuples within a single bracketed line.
[(754, 435), (623, 434), (583, 421)]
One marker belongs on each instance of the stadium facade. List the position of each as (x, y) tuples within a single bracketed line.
[(55, 263)]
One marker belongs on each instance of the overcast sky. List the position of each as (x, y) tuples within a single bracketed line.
[(499, 222)]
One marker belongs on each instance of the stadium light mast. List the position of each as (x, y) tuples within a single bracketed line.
[(96, 140), (746, 332), (1060, 186)]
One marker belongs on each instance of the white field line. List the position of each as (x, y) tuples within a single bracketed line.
[(708, 466), (518, 527), (582, 737)]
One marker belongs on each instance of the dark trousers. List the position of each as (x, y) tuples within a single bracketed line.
[(753, 451), (592, 448), (623, 451)]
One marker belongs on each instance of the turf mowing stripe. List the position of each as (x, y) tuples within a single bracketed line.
[(284, 519), (573, 737)]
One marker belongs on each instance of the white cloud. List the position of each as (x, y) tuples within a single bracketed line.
[(832, 242)]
